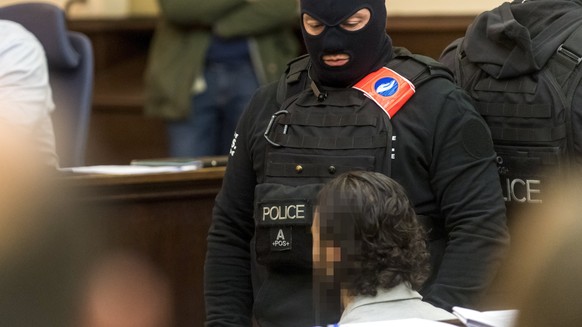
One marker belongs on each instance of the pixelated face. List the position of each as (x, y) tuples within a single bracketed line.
[(325, 254), (334, 246)]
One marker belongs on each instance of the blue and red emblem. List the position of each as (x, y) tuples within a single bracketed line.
[(386, 86)]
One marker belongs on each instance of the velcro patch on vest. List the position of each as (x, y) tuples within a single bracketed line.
[(284, 213), (387, 89), (280, 217)]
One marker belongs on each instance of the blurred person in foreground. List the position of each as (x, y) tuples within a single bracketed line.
[(207, 59), (42, 254), (315, 124), (542, 276), (368, 244), (25, 93), (56, 269)]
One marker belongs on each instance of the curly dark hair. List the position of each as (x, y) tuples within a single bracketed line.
[(369, 217)]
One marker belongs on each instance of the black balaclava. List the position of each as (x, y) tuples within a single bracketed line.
[(369, 48)]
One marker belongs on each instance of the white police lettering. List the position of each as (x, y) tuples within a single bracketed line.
[(280, 235), (523, 191), (280, 241), (291, 211), (233, 144)]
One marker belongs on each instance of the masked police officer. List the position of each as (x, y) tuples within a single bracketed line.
[(354, 103)]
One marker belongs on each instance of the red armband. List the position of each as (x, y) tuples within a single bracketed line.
[(387, 88)]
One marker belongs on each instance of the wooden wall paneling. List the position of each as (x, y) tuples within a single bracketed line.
[(427, 35), (119, 132)]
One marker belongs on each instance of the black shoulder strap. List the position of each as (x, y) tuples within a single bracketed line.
[(565, 65), (566, 62), (545, 43), (451, 55), (459, 58), (295, 78), (418, 68)]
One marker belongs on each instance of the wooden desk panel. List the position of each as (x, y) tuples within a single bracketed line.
[(165, 219)]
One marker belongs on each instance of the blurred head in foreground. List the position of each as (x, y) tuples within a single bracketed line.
[(25, 183), (44, 246), (55, 268), (124, 290)]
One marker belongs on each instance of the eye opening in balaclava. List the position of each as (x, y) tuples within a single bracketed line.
[(368, 48), (341, 22)]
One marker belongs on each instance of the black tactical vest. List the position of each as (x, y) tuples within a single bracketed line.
[(313, 137)]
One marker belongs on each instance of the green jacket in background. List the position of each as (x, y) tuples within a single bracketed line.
[(178, 49)]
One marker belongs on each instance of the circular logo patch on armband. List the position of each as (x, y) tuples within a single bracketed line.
[(386, 86)]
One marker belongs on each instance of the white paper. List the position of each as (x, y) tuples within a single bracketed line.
[(496, 318), (128, 169), (414, 322)]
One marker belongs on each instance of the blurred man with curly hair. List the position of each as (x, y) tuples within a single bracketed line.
[(370, 250)]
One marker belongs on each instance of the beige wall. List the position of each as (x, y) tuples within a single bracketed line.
[(113, 8), (9, 2), (146, 6), (439, 7), (102, 8)]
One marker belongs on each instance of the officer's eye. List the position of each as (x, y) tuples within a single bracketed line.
[(312, 26), (357, 21)]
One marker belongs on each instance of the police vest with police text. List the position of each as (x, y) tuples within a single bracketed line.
[(535, 119), (312, 137)]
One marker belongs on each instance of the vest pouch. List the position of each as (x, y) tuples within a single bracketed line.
[(524, 172), (283, 218)]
